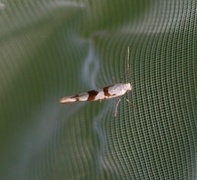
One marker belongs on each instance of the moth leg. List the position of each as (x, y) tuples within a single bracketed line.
[(127, 100), (116, 107), (132, 104)]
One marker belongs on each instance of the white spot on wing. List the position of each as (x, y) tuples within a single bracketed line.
[(83, 97), (100, 95), (119, 89)]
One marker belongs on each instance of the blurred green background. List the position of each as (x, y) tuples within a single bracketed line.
[(55, 48)]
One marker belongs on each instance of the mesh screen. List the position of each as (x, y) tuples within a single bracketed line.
[(50, 49)]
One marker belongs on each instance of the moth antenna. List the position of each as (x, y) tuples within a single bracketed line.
[(127, 66), (128, 56)]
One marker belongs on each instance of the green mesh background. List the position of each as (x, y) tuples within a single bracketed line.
[(54, 48)]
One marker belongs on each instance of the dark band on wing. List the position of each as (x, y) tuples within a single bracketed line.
[(92, 94), (106, 91)]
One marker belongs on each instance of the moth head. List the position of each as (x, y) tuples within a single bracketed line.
[(128, 86)]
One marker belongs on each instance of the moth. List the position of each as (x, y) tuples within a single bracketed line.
[(107, 92)]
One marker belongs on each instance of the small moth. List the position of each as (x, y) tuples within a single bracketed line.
[(107, 92)]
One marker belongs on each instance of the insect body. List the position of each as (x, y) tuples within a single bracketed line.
[(108, 92)]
